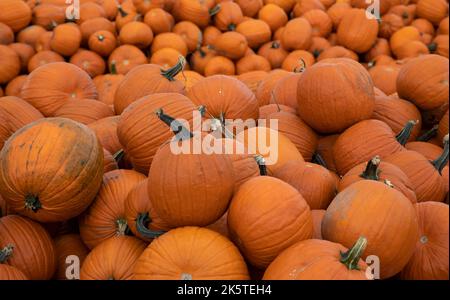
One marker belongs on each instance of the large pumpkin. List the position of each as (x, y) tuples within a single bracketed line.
[(26, 245), (47, 88), (105, 218), (106, 131), (59, 171), (191, 253), (85, 111), (65, 246), (330, 101), (278, 210), (381, 214), (317, 216)]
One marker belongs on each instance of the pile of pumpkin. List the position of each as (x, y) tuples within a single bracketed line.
[(87, 109)]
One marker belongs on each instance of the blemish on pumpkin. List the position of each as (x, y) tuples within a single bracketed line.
[(424, 239)]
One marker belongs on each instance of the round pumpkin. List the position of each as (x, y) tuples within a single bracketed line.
[(125, 58), (190, 33), (227, 15), (252, 79), (267, 85), (15, 14), (14, 86), (192, 10), (159, 20), (30, 34), (274, 53), (66, 39), (320, 22), (297, 35), (85, 111), (6, 34), (432, 10), (10, 62), (273, 15), (136, 33), (107, 85), (356, 31), (42, 58), (231, 44), (337, 52), (102, 42), (252, 63), (89, 61), (257, 32), (285, 92)]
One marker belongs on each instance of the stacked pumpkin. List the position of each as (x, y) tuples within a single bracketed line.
[(94, 102)]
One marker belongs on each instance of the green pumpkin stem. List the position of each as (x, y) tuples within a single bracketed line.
[(142, 222), (403, 136), (428, 135), (371, 172), (6, 253), (122, 226), (316, 53), (231, 27), (318, 159), (181, 132), (32, 202), (172, 72), (261, 164), (440, 162), (113, 68), (118, 156), (215, 10), (352, 256), (432, 47), (122, 12)]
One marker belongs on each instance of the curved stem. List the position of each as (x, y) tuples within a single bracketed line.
[(388, 183), (318, 159), (403, 136), (123, 13), (32, 202), (440, 162), (142, 222), (172, 72), (352, 256), (213, 11), (371, 172), (428, 135), (261, 164), (181, 132), (6, 253), (122, 226), (118, 156)]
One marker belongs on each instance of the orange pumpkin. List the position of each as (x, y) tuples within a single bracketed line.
[(227, 15), (137, 34), (390, 23), (297, 60), (169, 40), (43, 41), (267, 85), (285, 92), (301, 7), (297, 35), (252, 63), (14, 86), (10, 62), (266, 110), (429, 150), (443, 26), (317, 216), (190, 33), (30, 34), (89, 61), (90, 10), (273, 15), (384, 77), (107, 85), (287, 5), (143, 6), (406, 12), (231, 44), (192, 10), (200, 58), (106, 131), (48, 15), (65, 246), (85, 111), (320, 22), (102, 42), (42, 58), (210, 35), (125, 58), (11, 273), (257, 32), (91, 26), (66, 39), (337, 52), (439, 45), (109, 163), (337, 11), (15, 14), (165, 57), (24, 51), (274, 53), (426, 30), (381, 47), (159, 20), (432, 10), (356, 31), (252, 79)]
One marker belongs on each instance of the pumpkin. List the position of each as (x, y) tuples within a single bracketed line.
[(10, 62), (89, 61), (42, 58), (143, 6), (266, 110), (113, 259), (147, 79), (169, 40), (320, 22), (159, 20), (89, 27), (378, 170), (126, 15), (14, 86), (301, 7), (210, 35), (300, 134), (6, 34), (319, 260), (429, 150), (433, 11), (106, 131), (430, 258), (43, 41), (65, 246), (384, 77), (400, 39), (231, 44), (27, 246), (278, 34), (326, 113), (11, 273), (337, 52), (412, 49), (107, 85), (349, 216), (126, 58), (297, 35), (297, 60), (190, 33), (443, 127), (443, 26), (390, 23), (406, 12), (317, 216), (24, 51), (266, 197), (314, 182), (431, 91), (257, 32), (191, 10), (165, 57), (381, 60), (337, 11), (219, 65), (15, 14), (105, 218), (439, 45), (102, 42), (425, 28), (381, 47), (273, 15), (267, 85), (200, 58), (30, 34), (52, 197), (250, 8), (252, 63), (85, 112), (109, 163), (191, 253), (48, 15), (227, 15), (274, 53), (252, 79), (356, 32), (90, 10), (137, 34), (396, 113), (66, 39), (424, 175), (14, 114), (287, 5), (324, 151)]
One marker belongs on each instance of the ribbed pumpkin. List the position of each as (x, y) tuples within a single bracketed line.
[(191, 10), (431, 91), (14, 86), (106, 131), (264, 90), (26, 245), (105, 218), (378, 170), (443, 26), (319, 260), (10, 62), (251, 63), (266, 110), (314, 182), (301, 7), (219, 65), (159, 20), (113, 259), (191, 253), (432, 10), (14, 114), (66, 39), (381, 47), (64, 162), (429, 150), (337, 11), (319, 45), (439, 45), (47, 87), (30, 34), (285, 91), (257, 202), (15, 14), (11, 273), (297, 35), (66, 245), (85, 111), (330, 108), (317, 216), (24, 51), (320, 22), (430, 258), (147, 79), (227, 15), (42, 58), (256, 32), (126, 58), (381, 214), (189, 78), (356, 31)]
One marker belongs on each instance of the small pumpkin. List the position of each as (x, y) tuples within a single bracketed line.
[(48, 15), (356, 31), (443, 26), (43, 41), (266, 110), (390, 23), (287, 5), (384, 77), (89, 27), (439, 45), (6, 34), (227, 15), (125, 58), (273, 15), (42, 58), (109, 162), (89, 61), (159, 20), (24, 51), (200, 58), (66, 39), (190, 33), (165, 57), (285, 92), (320, 22), (106, 131), (429, 150), (137, 34), (231, 44), (257, 32), (406, 12), (274, 53), (337, 11), (297, 35), (30, 34), (107, 85), (324, 151), (297, 60), (210, 35), (433, 11), (267, 85), (65, 246), (14, 86), (15, 14), (192, 10), (252, 63), (400, 39), (10, 62), (252, 79), (301, 7), (381, 47), (90, 10), (102, 42), (426, 30)]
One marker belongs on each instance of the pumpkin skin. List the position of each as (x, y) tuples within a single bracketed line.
[(314, 260), (185, 251), (65, 245), (380, 171), (356, 32), (256, 32), (431, 91), (220, 226), (267, 85), (439, 45), (301, 7), (125, 58), (318, 46), (85, 111), (42, 58), (430, 258), (137, 34), (14, 86), (15, 14), (314, 182), (274, 53), (106, 86), (433, 11), (66, 39), (14, 114), (317, 216), (102, 42), (189, 78), (190, 33), (210, 35), (47, 87), (52, 197), (396, 113), (11, 273), (89, 27), (429, 150), (381, 47), (348, 217), (258, 200), (143, 6), (320, 22), (30, 34), (113, 259), (24, 51), (426, 30), (229, 16), (141, 132), (443, 26), (231, 44), (250, 7), (252, 63), (297, 60), (273, 15), (425, 178), (169, 40), (159, 20), (337, 11), (297, 35), (400, 38), (10, 62), (352, 97), (191, 10), (252, 79), (384, 77), (219, 65), (43, 41), (443, 127), (106, 131), (285, 92), (352, 148), (28, 237), (89, 61), (337, 52), (6, 34), (390, 23), (200, 58)]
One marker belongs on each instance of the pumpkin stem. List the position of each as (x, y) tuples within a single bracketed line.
[(142, 222), (32, 202), (181, 132), (213, 11), (231, 27), (122, 226), (432, 47), (371, 63), (388, 183), (113, 67), (202, 110), (6, 253), (405, 15), (275, 100), (261, 164), (118, 156), (53, 25), (352, 256), (371, 172), (101, 37), (428, 135), (172, 72), (316, 53), (403, 136), (301, 68), (440, 162), (275, 45), (123, 13), (318, 159)]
